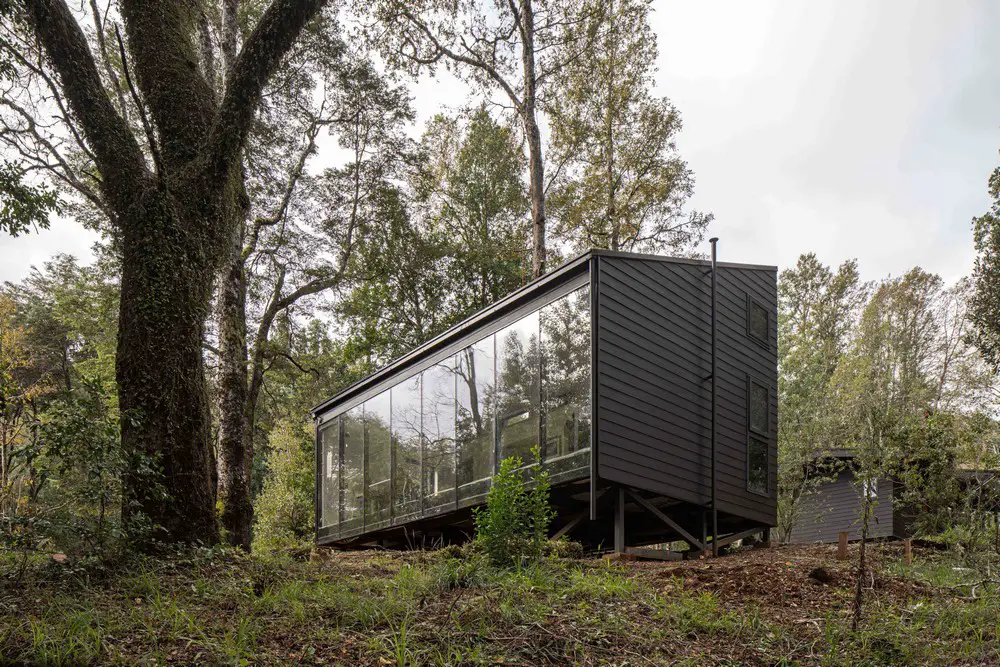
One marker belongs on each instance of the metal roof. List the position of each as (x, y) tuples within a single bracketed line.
[(565, 271)]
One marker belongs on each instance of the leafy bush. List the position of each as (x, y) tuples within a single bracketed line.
[(513, 527), (284, 507)]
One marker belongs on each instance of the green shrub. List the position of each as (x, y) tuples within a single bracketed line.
[(513, 527), (284, 507)]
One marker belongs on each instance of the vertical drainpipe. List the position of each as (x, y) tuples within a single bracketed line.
[(715, 369)]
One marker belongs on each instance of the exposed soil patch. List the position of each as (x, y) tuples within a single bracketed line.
[(754, 607)]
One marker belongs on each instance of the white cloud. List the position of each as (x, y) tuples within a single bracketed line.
[(852, 129), (845, 127), (18, 255)]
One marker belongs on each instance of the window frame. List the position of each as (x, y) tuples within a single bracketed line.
[(766, 492), (487, 333), (763, 438), (751, 381), (751, 302)]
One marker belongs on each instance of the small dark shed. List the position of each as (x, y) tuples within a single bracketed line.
[(606, 363), (835, 507)]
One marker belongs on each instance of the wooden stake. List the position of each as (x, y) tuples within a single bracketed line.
[(842, 546), (907, 552)]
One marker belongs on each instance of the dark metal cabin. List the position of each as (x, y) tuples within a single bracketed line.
[(836, 507), (607, 363)]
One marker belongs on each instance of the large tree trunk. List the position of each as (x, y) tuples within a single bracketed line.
[(612, 228), (536, 167), (166, 288), (175, 223), (235, 427)]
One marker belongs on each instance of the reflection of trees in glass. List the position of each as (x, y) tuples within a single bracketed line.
[(330, 441), (353, 468), (439, 434), (474, 418), (518, 398), (378, 494), (498, 384), (565, 330), (406, 434)]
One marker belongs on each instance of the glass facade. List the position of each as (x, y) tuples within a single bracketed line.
[(439, 436), (518, 385), (329, 442), (352, 469), (406, 440), (475, 396), (432, 442), (378, 490), (565, 349)]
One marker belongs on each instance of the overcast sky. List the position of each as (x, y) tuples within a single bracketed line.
[(846, 127)]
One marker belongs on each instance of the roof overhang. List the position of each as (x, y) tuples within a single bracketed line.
[(566, 271)]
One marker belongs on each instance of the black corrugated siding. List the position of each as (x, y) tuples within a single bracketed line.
[(654, 398), (836, 507)]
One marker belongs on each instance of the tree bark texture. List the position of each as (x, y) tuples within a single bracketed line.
[(536, 167), (235, 428), (175, 226)]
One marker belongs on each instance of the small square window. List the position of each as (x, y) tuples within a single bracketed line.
[(757, 479), (758, 321), (758, 408)]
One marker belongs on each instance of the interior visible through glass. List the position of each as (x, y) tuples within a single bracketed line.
[(565, 334), (353, 469), (475, 398), (518, 403), (329, 437), (406, 439)]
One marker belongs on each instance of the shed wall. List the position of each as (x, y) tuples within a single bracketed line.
[(836, 507)]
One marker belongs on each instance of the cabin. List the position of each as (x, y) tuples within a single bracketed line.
[(606, 365), (835, 506)]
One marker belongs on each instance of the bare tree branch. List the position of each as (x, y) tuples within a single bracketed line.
[(267, 45), (147, 128), (115, 150)]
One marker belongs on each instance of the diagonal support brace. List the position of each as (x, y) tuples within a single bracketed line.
[(575, 520), (729, 539), (652, 509)]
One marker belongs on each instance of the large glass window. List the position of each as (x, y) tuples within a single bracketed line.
[(406, 439), (378, 495), (518, 398), (439, 435), (329, 437), (475, 398), (353, 470), (758, 321), (565, 334), (433, 440)]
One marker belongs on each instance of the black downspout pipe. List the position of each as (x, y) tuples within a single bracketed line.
[(715, 369)]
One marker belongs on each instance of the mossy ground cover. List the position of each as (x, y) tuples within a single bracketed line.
[(378, 608)]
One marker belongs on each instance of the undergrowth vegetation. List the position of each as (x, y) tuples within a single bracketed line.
[(454, 607), (512, 528)]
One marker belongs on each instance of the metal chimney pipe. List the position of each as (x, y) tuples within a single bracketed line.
[(715, 369)]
